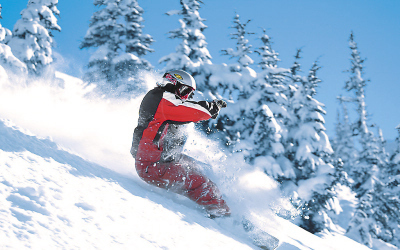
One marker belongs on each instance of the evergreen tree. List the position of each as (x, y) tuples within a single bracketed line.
[(242, 54), (237, 79), (372, 215), (309, 151), (243, 50), (317, 213), (369, 160), (389, 207), (289, 123), (7, 60), (5, 34), (294, 79), (266, 109), (104, 33), (343, 145), (264, 135), (272, 78), (128, 65), (395, 157), (382, 148), (31, 40), (291, 83), (191, 54), (307, 144), (296, 67), (377, 213), (361, 227), (115, 30)]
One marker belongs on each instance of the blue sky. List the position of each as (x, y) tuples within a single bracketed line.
[(320, 28)]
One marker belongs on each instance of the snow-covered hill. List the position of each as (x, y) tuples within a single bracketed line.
[(69, 182)]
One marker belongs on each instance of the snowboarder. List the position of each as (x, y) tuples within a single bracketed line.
[(158, 141)]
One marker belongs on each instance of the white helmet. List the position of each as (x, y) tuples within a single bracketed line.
[(184, 83)]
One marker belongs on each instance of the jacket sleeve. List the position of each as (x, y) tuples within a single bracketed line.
[(189, 111)]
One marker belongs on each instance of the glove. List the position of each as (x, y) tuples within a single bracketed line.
[(216, 107), (220, 103)]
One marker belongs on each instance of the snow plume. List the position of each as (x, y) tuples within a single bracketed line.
[(100, 130), (246, 189)]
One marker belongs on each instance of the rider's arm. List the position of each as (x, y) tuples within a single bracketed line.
[(175, 110)]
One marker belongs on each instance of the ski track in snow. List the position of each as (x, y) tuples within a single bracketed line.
[(51, 198)]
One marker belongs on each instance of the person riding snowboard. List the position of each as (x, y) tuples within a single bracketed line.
[(158, 141)]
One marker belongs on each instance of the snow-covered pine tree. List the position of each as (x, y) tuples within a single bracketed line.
[(288, 123), (386, 215), (395, 157), (284, 114), (377, 213), (382, 147), (369, 160), (311, 151), (105, 34), (5, 34), (273, 79), (242, 54), (7, 60), (393, 193), (318, 211), (387, 201), (322, 210), (232, 81), (343, 145), (292, 83), (117, 59), (361, 227), (191, 54), (266, 107), (372, 214), (128, 65), (236, 82), (31, 40), (243, 49), (364, 172), (311, 156), (324, 205), (296, 67)]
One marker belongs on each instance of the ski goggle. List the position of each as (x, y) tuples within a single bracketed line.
[(184, 91)]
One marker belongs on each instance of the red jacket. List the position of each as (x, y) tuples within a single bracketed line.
[(158, 109)]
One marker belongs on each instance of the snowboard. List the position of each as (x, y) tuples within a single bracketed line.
[(257, 236)]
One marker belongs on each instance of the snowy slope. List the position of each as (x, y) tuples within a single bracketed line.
[(53, 198)]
